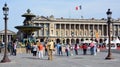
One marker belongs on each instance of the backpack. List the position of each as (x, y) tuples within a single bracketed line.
[(60, 48)]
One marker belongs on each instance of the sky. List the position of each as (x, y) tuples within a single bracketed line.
[(59, 8)]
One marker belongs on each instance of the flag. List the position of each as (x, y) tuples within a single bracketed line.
[(78, 7)]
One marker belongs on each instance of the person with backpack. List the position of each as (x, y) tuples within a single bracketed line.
[(28, 47), (60, 49)]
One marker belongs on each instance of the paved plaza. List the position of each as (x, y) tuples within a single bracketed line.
[(27, 60)]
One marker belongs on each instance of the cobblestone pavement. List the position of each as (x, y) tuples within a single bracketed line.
[(27, 60)]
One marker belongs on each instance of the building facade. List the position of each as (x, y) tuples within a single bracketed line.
[(68, 30), (10, 35)]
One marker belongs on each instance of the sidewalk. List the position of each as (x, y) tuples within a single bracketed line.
[(27, 60)]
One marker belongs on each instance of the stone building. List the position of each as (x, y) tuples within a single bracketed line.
[(68, 30), (10, 35)]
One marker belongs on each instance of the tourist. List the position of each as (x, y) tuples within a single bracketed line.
[(67, 49), (50, 48), (71, 49), (76, 49), (84, 47), (14, 48), (28, 47), (40, 52), (59, 49), (92, 48), (45, 48), (34, 46)]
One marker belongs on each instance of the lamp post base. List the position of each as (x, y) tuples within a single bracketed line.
[(5, 59), (109, 57)]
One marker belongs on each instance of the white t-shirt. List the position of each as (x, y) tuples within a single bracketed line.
[(34, 47)]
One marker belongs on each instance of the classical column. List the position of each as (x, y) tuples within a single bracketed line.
[(60, 30), (44, 29), (55, 29), (8, 38), (114, 31), (97, 31), (88, 30), (118, 29), (70, 29), (98, 28), (70, 40), (38, 32), (74, 30), (102, 31), (79, 32), (107, 29), (93, 31), (83, 30), (65, 29), (65, 41), (2, 38)]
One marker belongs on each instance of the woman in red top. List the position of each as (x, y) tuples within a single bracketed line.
[(84, 46), (40, 52)]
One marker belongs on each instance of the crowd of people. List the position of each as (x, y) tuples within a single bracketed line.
[(48, 48)]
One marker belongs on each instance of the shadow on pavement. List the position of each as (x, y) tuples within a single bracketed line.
[(34, 58)]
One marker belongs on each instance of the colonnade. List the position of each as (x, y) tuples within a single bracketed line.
[(9, 38)]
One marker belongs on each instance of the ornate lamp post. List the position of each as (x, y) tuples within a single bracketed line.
[(5, 12), (109, 13)]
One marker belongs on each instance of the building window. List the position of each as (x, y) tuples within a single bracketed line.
[(67, 26), (77, 26), (62, 26), (57, 26), (81, 26), (105, 30), (72, 26)]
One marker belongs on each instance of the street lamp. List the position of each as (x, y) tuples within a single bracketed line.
[(5, 12), (109, 13)]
